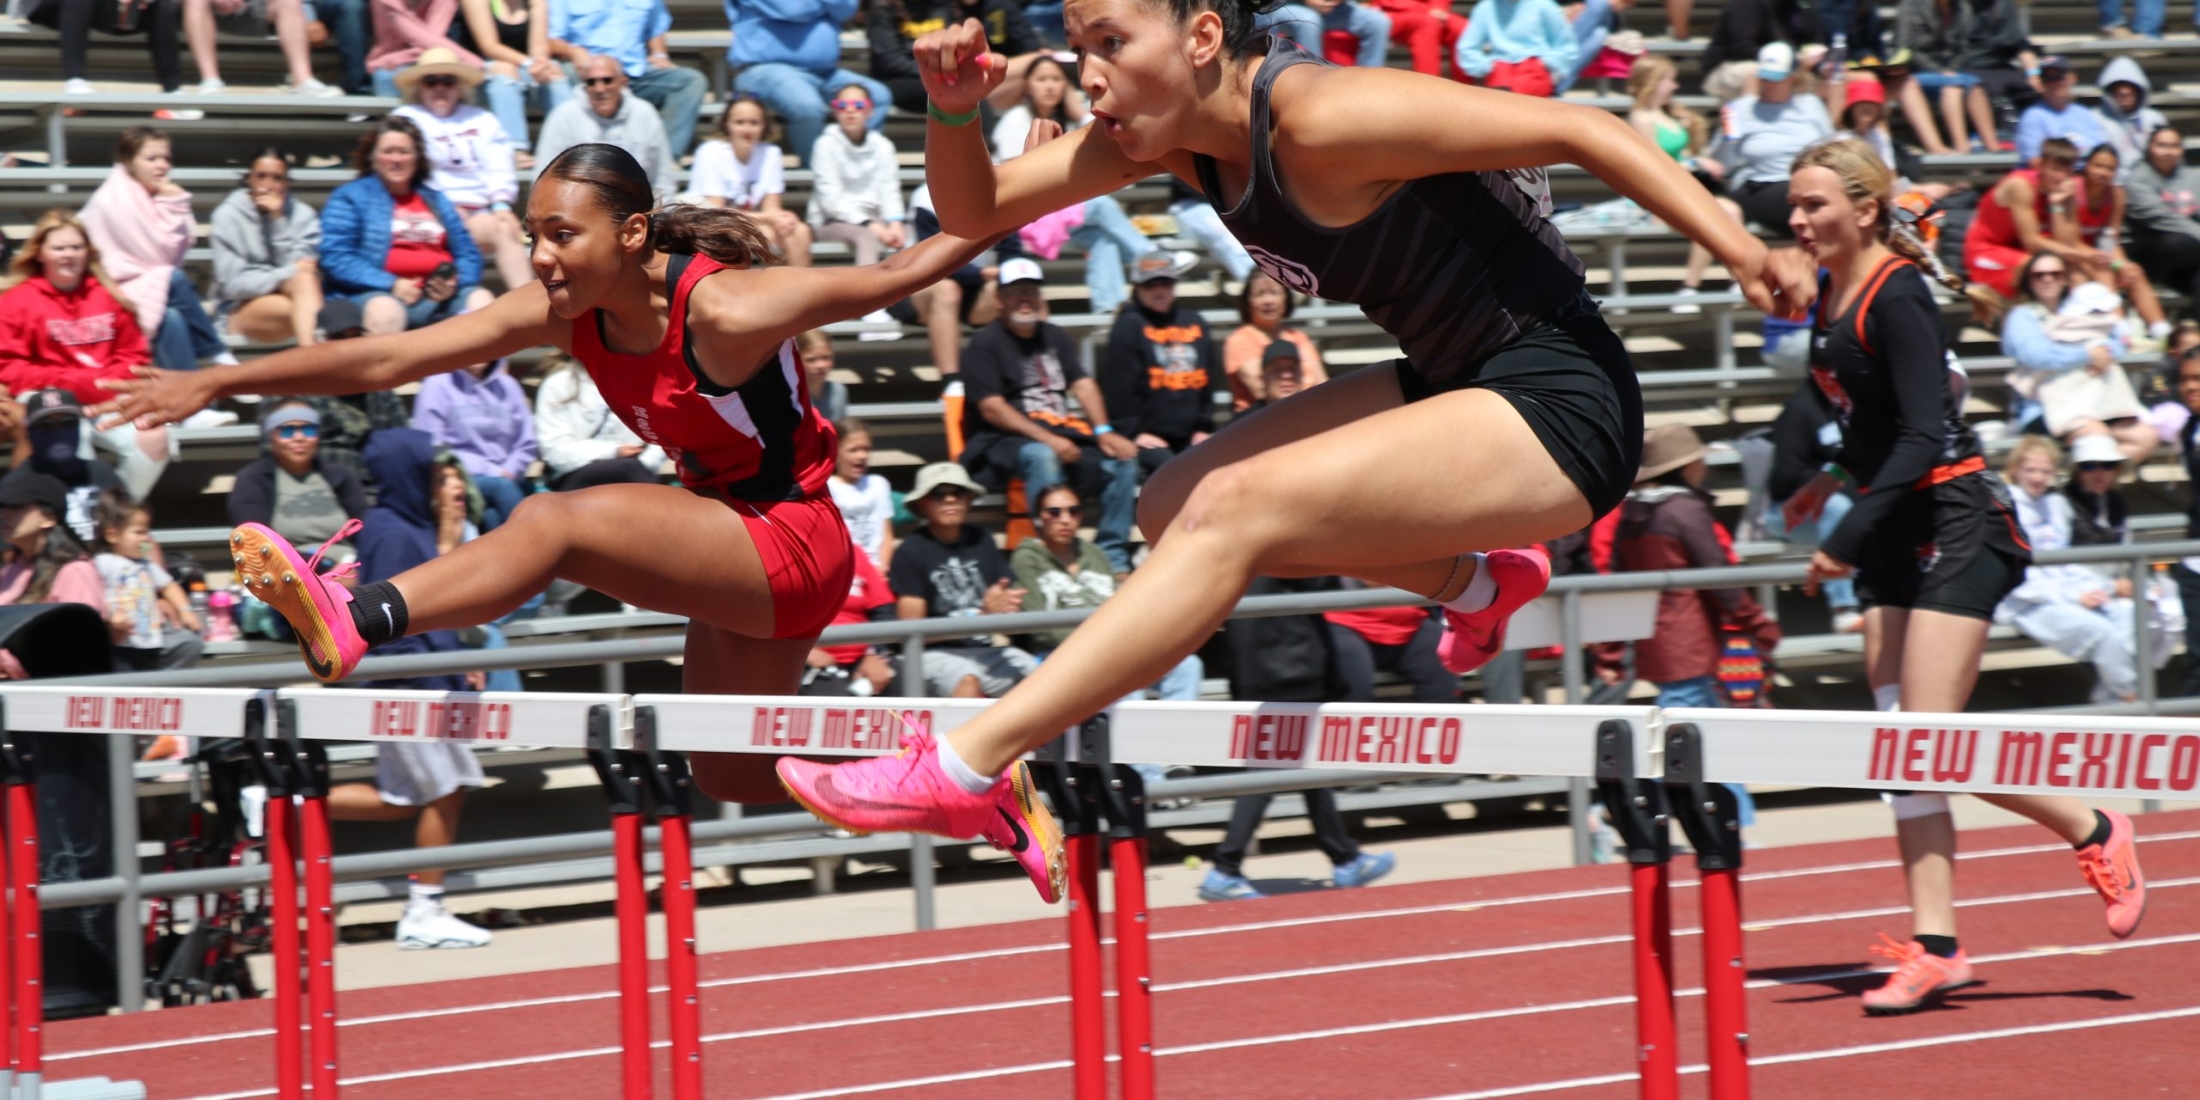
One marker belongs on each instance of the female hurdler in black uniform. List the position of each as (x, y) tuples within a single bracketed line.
[(1933, 540)]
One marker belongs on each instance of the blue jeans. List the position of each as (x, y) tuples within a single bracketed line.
[(1840, 594), (1196, 218), (2146, 16), (1300, 24), (1110, 241), (677, 94), (424, 312), (507, 98), (1933, 82), (2104, 637), (799, 96), (1702, 693), (503, 679), (499, 496), (1041, 469), (385, 81), (187, 334), (1591, 28), (352, 27)]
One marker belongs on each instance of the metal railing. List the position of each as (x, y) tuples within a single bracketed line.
[(127, 888)]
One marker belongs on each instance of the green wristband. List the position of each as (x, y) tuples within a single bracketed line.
[(945, 119)]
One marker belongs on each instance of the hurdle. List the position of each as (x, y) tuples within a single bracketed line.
[(1652, 768)]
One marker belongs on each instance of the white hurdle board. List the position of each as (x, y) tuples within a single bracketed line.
[(2091, 756), (1442, 740), (531, 719), (191, 712)]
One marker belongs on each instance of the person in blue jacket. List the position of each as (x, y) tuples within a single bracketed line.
[(423, 781), (394, 244)]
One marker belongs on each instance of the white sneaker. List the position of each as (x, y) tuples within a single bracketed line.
[(77, 86), (1848, 622), (1688, 307), (882, 317), (209, 418), (313, 88), (437, 930), (212, 85), (1181, 262)]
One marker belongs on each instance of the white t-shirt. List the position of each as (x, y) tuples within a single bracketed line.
[(1014, 126), (868, 506), (720, 174)]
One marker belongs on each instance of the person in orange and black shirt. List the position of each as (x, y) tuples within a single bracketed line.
[(1161, 374), (1018, 375)]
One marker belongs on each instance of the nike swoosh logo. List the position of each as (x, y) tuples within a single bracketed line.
[(392, 618), (1023, 839)]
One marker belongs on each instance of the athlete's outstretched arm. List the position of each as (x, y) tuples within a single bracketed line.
[(516, 321), (973, 196), (738, 316), (1347, 120)]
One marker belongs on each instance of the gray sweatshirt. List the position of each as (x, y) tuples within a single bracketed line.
[(255, 254), (2128, 133), (636, 128), (2159, 205)]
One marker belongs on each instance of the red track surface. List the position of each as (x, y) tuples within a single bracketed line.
[(1501, 986)]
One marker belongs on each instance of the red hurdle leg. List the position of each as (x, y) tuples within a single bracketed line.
[(632, 909), (320, 882), (1133, 967), (29, 968), (8, 926), (1725, 1025), (283, 885), (1088, 1028), (684, 998), (1654, 1027)]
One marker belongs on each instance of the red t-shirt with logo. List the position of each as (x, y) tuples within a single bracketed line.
[(417, 245)]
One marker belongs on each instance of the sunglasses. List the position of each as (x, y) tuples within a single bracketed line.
[(2089, 466), (1059, 511), (851, 104), (949, 493), (600, 81), (439, 82), (2055, 273), (298, 431)]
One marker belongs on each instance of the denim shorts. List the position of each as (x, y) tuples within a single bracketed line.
[(1933, 82), (424, 312)]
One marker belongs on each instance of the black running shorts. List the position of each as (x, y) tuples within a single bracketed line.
[(1954, 548)]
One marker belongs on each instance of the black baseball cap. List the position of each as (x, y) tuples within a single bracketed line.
[(51, 404), (32, 487), (1279, 350), (340, 315)]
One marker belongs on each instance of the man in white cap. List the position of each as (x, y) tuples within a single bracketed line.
[(951, 568), (1018, 376), (1760, 136)]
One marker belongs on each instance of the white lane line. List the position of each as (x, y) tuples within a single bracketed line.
[(1254, 926), (1227, 1044), (1845, 1052)]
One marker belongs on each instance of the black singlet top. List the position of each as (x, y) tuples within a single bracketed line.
[(1455, 266), (1884, 366), (511, 35)]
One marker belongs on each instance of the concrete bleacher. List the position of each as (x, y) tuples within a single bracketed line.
[(1701, 367)]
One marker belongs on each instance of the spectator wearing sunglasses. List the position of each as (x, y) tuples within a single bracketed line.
[(608, 112), (857, 196), (632, 34), (1059, 571), (292, 488), (787, 54), (470, 158), (951, 568)]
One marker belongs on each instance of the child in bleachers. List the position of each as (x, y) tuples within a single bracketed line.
[(828, 397), (142, 223), (745, 169), (140, 594), (864, 499), (858, 180)]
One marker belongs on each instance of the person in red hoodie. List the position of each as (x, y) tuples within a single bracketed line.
[(64, 326)]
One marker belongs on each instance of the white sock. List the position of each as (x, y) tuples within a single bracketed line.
[(1888, 697), (1481, 590), (424, 898), (963, 774)]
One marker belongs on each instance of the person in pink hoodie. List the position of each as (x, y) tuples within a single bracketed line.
[(141, 222), (63, 325)]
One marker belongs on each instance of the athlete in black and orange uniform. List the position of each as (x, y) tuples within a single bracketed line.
[(1933, 540), (688, 330)]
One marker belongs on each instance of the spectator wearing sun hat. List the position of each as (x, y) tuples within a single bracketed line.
[(951, 568), (470, 156)]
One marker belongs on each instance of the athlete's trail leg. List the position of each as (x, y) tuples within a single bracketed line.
[(720, 662), (1394, 488)]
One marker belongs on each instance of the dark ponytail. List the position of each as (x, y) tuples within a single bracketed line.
[(1240, 37), (622, 189)]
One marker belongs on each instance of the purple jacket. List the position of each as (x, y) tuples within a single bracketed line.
[(485, 422)]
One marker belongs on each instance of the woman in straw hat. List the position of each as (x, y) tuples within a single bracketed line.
[(469, 156), (1933, 540)]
